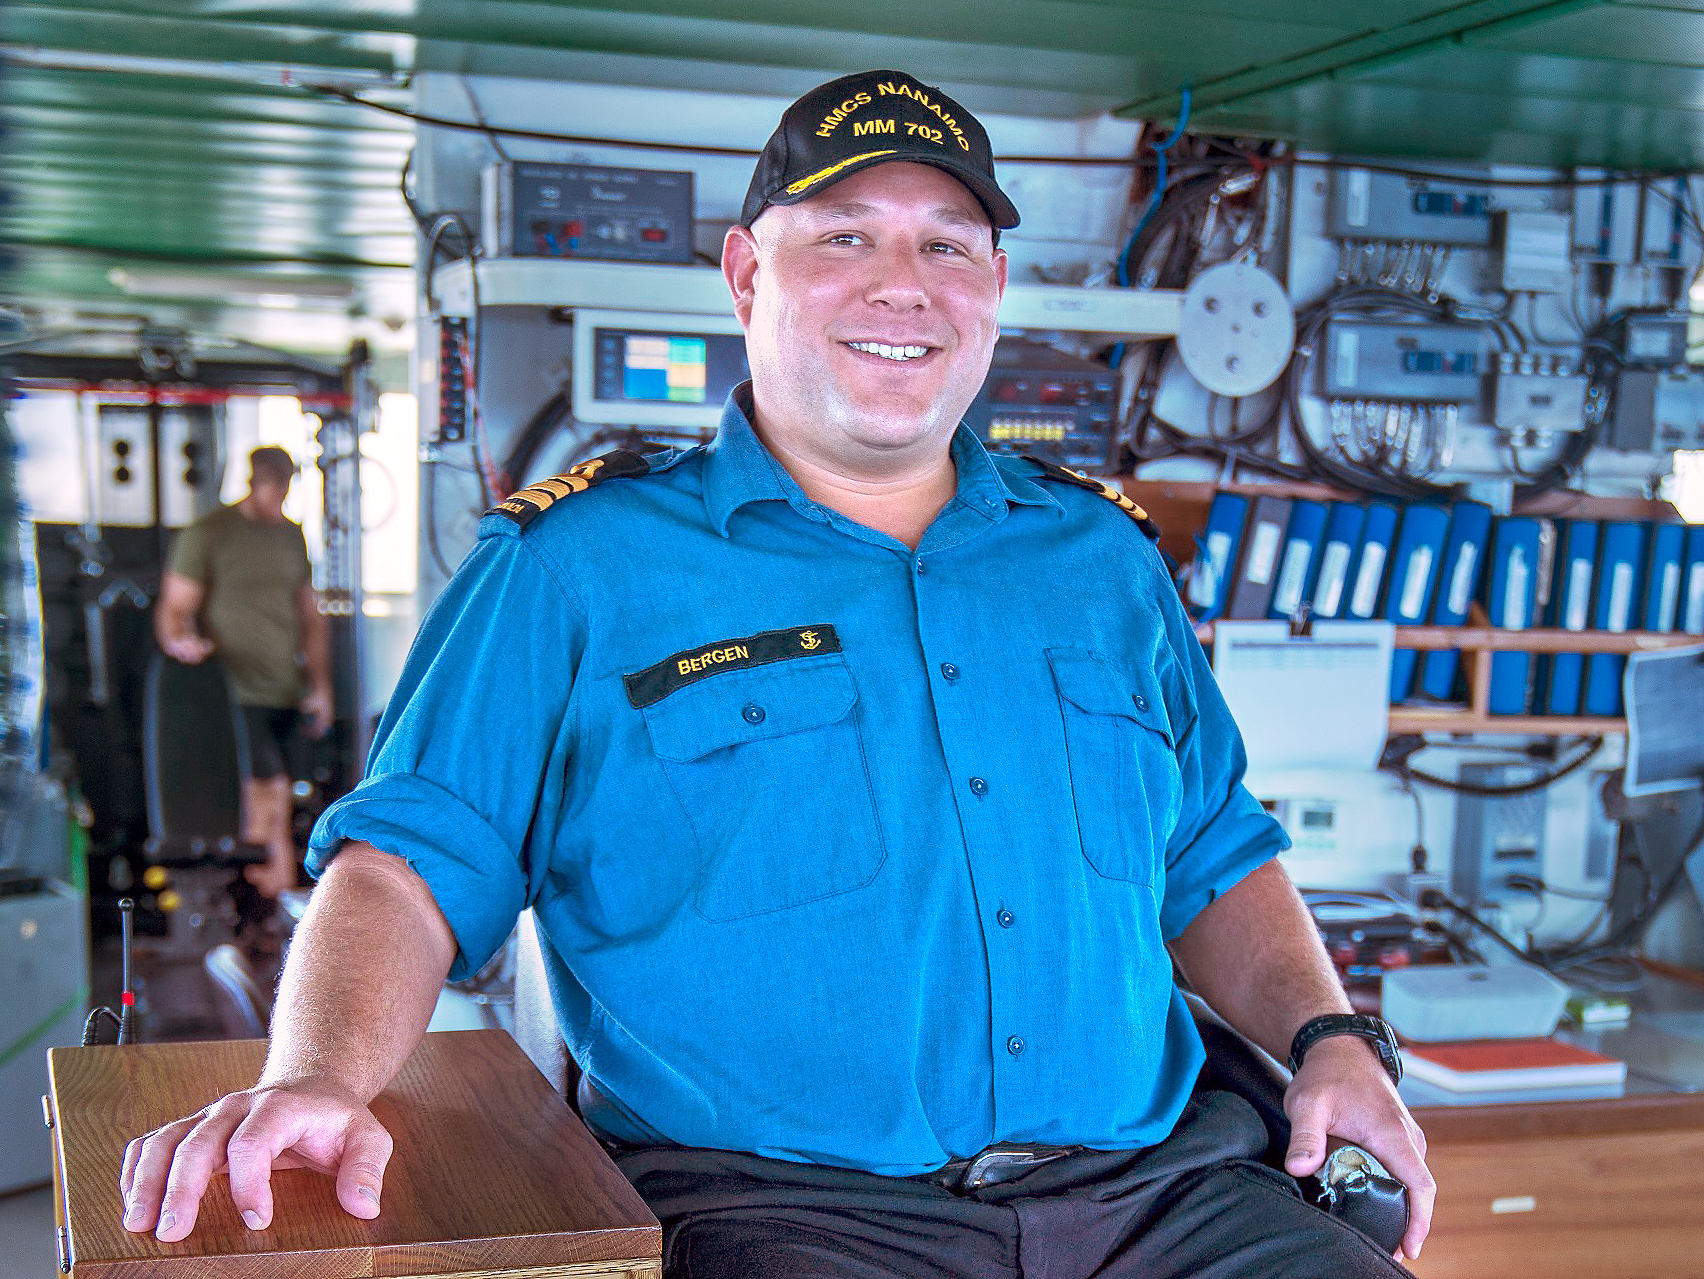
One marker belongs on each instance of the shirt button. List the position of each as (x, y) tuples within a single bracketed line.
[(921, 567), (1015, 1045), (753, 714), (1006, 918), (1141, 702), (978, 786), (949, 671)]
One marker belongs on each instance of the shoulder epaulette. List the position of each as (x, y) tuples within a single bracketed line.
[(1053, 471), (528, 504)]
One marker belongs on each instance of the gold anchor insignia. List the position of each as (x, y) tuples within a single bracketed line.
[(809, 640)]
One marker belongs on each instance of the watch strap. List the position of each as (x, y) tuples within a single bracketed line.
[(1375, 1030)]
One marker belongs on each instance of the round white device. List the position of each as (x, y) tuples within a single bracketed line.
[(1236, 329)]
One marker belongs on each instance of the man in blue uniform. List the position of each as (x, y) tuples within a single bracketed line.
[(865, 786)]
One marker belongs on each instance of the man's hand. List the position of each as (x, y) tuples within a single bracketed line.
[(190, 649), (1342, 1091), (308, 1124), (317, 706)]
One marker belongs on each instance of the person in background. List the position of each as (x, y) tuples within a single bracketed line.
[(238, 586)]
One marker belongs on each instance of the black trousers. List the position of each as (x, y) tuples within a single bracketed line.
[(1197, 1206)]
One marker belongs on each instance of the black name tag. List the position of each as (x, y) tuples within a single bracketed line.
[(651, 685)]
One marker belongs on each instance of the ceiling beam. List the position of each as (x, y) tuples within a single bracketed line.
[(1449, 27)]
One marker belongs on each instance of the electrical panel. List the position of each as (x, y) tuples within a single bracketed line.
[(1537, 393), (1665, 238), (452, 379), (1652, 340), (538, 210), (1403, 361), (1534, 250), (1606, 221), (1369, 205), (1496, 836), (1044, 402), (1657, 410)]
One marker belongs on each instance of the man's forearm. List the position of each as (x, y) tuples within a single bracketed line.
[(173, 624), (1255, 956), (363, 975)]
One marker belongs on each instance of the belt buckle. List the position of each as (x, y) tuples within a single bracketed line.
[(986, 1167)]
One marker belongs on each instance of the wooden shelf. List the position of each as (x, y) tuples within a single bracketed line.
[(1476, 645)]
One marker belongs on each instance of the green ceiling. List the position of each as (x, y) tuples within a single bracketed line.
[(156, 135)]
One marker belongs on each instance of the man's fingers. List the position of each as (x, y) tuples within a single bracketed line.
[(127, 1174), (199, 1155), (1422, 1196), (255, 1149), (361, 1170), (148, 1162), (1310, 1121), (1306, 1152)]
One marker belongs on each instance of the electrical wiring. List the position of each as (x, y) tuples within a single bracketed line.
[(1376, 301), (1400, 751), (1161, 151), (1234, 158)]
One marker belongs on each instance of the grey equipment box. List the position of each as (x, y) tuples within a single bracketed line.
[(44, 993), (538, 210)]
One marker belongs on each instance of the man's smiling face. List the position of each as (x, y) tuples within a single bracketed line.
[(870, 315)]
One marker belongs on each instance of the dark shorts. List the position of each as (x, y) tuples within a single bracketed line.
[(273, 739), (1197, 1206)]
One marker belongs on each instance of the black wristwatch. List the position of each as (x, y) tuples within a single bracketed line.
[(1375, 1030)]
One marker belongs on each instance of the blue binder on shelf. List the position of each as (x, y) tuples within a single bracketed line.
[(1690, 613), (1521, 552), (1458, 586), (1372, 562), (1661, 608), (1299, 566), (1216, 558), (1615, 599), (1562, 675), (1343, 525), (1414, 572)]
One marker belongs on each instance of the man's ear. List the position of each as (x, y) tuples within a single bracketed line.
[(739, 269), (1000, 266)]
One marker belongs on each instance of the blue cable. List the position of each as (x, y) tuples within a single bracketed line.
[(1160, 149)]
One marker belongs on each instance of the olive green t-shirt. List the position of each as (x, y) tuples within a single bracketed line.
[(252, 573)]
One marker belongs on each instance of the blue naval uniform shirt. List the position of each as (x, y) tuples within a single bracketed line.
[(877, 900)]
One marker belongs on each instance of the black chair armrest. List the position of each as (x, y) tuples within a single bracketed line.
[(1352, 1185)]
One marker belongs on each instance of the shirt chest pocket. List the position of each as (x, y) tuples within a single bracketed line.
[(1125, 782), (769, 765)]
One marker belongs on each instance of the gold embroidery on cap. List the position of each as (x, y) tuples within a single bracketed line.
[(922, 99), (846, 108), (805, 184)]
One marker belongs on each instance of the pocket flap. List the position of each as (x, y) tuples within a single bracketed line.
[(1092, 685), (747, 706)]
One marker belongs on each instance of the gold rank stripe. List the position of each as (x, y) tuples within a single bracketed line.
[(1053, 471), (1115, 496), (529, 503), (805, 184)]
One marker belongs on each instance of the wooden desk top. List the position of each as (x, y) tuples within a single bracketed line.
[(492, 1171), (1592, 1116)]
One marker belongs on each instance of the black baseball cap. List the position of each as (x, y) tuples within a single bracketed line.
[(866, 119)]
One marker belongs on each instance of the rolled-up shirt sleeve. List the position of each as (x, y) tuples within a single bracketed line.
[(1222, 832), (465, 778)]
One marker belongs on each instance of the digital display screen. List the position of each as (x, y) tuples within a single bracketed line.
[(663, 368), (1317, 819), (649, 367)]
